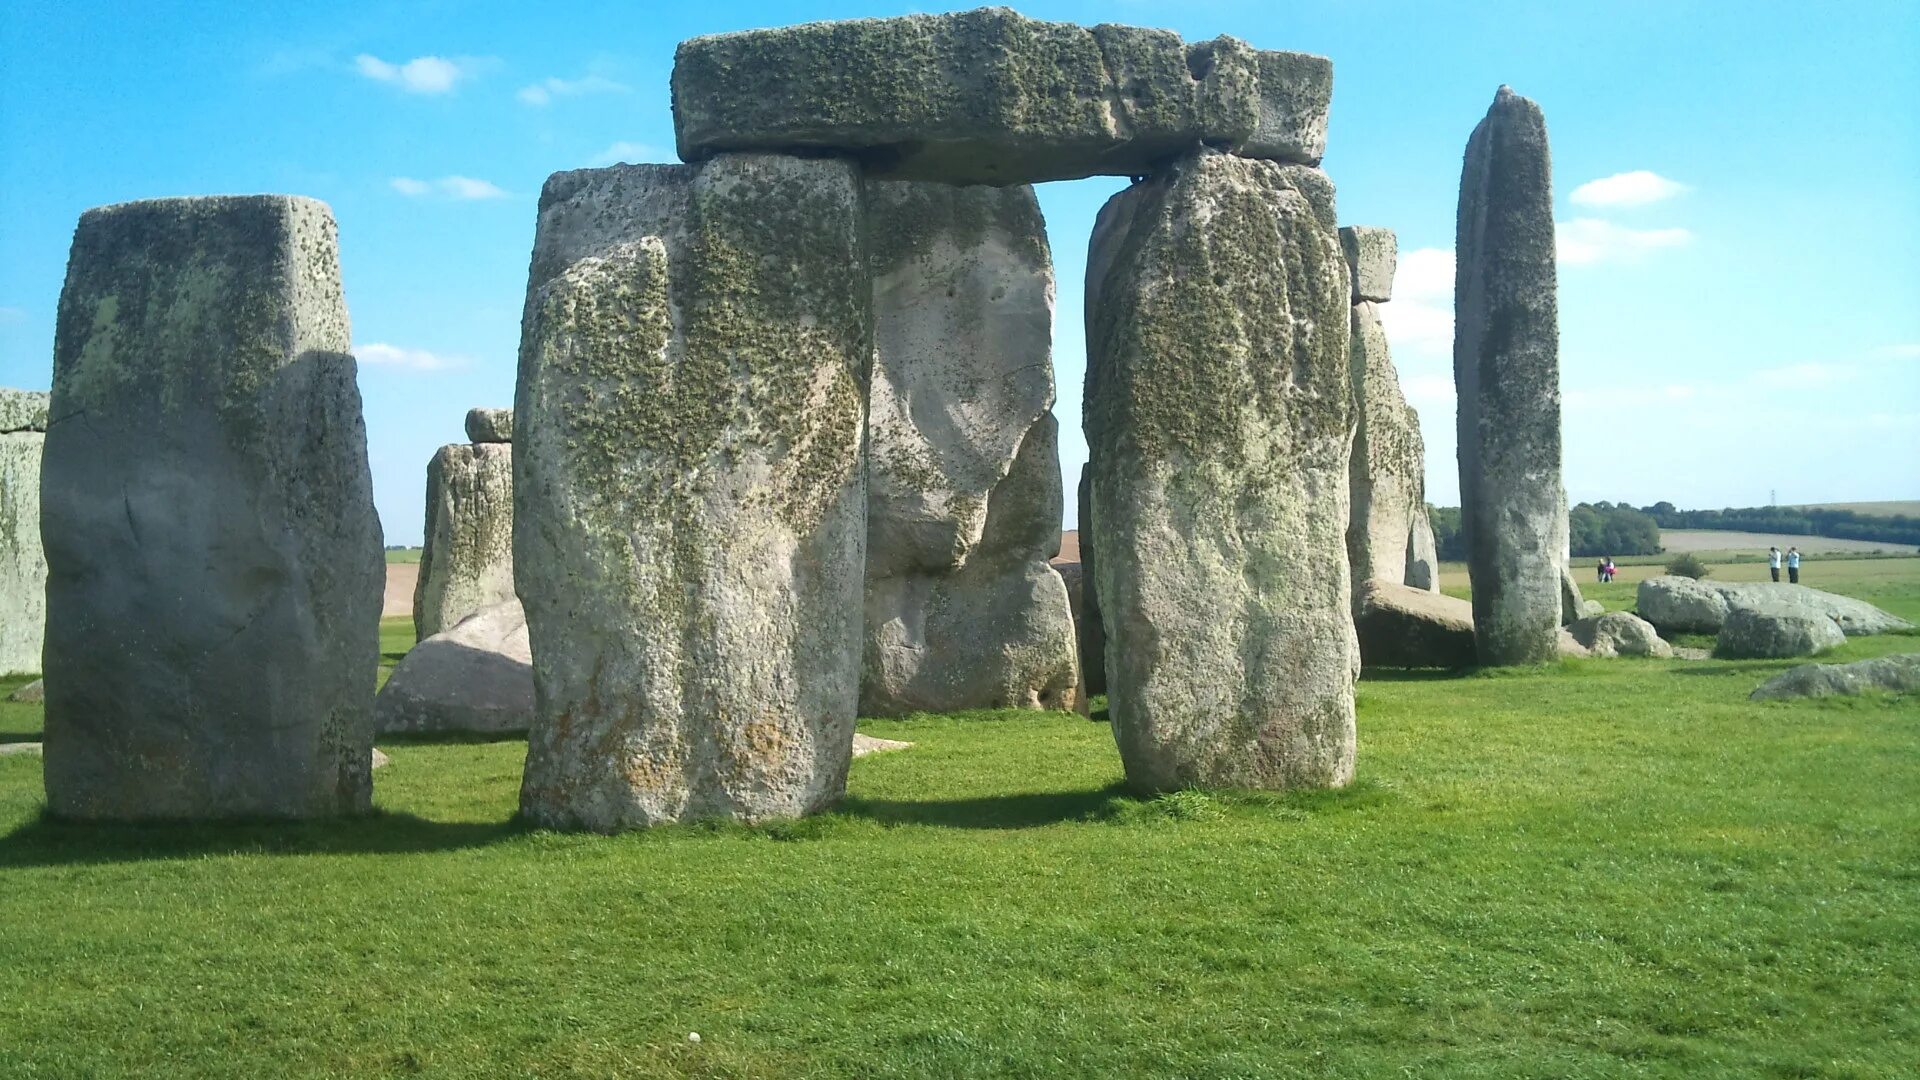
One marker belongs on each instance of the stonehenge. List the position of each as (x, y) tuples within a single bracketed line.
[(690, 495), (474, 676), (964, 499), (1218, 412), (466, 552), (23, 566), (1091, 630), (1506, 370), (213, 556)]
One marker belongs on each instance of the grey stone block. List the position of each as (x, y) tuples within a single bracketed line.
[(1372, 256), (490, 425), (466, 560)]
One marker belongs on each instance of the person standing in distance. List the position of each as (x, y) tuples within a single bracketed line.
[(1793, 566), (1773, 562)]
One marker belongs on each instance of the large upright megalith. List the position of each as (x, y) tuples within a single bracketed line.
[(214, 560), (1218, 412), (689, 489), (1387, 475), (964, 499), (23, 567), (1506, 370), (466, 558), (1092, 631)]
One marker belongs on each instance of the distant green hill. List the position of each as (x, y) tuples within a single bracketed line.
[(1907, 508)]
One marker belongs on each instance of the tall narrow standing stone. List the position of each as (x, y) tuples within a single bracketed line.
[(689, 488), (1423, 554), (215, 566), (466, 559), (1388, 470), (964, 500), (1218, 415), (1092, 632), (1506, 369), (23, 567)]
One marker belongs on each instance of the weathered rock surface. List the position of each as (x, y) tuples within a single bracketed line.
[(992, 97), (379, 759), (1573, 606), (1506, 370), (490, 425), (867, 744), (1218, 413), (1387, 470), (1772, 633), (1423, 554), (466, 563), (1088, 624), (1402, 626), (476, 675), (963, 507), (31, 693), (1678, 604), (1892, 674), (214, 561), (1618, 633), (23, 565), (689, 486), (1373, 253)]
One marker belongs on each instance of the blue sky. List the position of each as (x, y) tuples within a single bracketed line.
[(1740, 295)]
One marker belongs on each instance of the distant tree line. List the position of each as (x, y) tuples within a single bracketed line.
[(1793, 521), (1595, 529)]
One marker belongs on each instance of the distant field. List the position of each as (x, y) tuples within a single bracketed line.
[(1909, 507), (1702, 540), (403, 555)]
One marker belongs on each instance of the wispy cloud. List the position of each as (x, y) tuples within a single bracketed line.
[(381, 354), (627, 152), (1637, 188), (451, 187), (1419, 319), (422, 74), (544, 91), (1584, 241)]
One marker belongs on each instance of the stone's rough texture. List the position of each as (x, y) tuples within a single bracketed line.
[(1387, 470), (1771, 633), (22, 410), (1678, 604), (1219, 413), (1404, 626), (1894, 674), (32, 692), (379, 759), (689, 490), (490, 425), (214, 559), (476, 675), (1506, 370), (963, 504), (992, 97), (1618, 633), (23, 566), (1573, 606), (1091, 631), (1372, 255), (1423, 554), (467, 561)]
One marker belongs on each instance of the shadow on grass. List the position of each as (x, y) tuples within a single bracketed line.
[(1024, 811), (48, 841), (19, 736)]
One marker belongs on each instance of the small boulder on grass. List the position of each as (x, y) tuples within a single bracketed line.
[(1895, 674), (35, 691), (1760, 634), (1618, 633)]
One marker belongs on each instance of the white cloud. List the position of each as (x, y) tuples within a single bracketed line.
[(1419, 319), (629, 152), (1584, 241), (12, 315), (1637, 188), (452, 187), (420, 75), (381, 354), (544, 91)]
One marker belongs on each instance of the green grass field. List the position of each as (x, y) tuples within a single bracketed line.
[(1600, 869)]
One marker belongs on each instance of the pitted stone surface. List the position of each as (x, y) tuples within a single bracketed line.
[(214, 559), (1772, 633), (1387, 475), (992, 97), (961, 611), (1423, 554), (1506, 370), (690, 496), (476, 676), (466, 562), (1218, 413), (1091, 630), (1402, 626), (22, 410), (23, 565), (1372, 253), (490, 425)]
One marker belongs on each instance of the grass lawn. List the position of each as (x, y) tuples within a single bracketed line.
[(1601, 869)]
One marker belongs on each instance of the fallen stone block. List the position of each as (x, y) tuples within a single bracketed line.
[(1890, 674), (474, 676), (1401, 626)]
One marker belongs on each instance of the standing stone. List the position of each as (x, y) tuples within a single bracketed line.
[(466, 561), (689, 490), (215, 564), (964, 501), (1092, 631), (23, 567), (1423, 554), (1218, 412), (490, 425), (1506, 369)]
